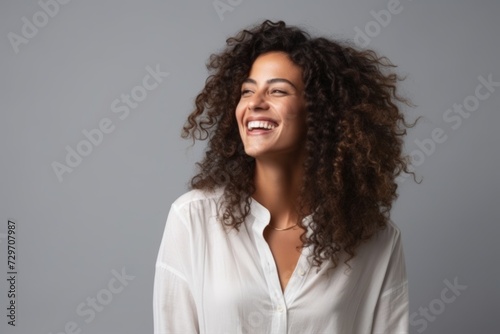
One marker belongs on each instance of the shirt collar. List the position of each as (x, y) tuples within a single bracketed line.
[(263, 216)]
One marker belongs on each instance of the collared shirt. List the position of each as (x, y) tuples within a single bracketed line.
[(208, 281)]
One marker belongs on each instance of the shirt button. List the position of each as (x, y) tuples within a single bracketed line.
[(280, 308), (302, 272)]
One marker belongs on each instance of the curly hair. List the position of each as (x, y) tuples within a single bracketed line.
[(353, 141)]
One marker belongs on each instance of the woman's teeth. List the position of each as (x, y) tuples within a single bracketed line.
[(260, 125)]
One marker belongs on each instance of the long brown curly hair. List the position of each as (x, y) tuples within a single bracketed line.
[(353, 142)]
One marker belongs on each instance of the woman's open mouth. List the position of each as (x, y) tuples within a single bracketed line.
[(260, 127)]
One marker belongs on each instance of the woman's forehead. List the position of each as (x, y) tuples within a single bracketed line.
[(275, 66)]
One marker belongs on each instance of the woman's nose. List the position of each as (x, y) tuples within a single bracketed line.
[(257, 101)]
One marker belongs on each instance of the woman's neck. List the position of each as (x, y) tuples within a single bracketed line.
[(277, 184)]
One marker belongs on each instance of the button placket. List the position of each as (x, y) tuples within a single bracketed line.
[(298, 277)]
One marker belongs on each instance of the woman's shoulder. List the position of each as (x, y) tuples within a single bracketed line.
[(393, 229), (381, 247), (197, 209), (389, 239), (197, 197), (391, 233)]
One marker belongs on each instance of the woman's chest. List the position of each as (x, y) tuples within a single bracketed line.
[(286, 250)]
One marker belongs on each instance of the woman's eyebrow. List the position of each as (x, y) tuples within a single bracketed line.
[(270, 81)]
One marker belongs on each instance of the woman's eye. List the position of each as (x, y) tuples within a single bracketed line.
[(245, 91), (278, 91)]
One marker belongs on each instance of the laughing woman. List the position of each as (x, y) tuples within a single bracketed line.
[(286, 227)]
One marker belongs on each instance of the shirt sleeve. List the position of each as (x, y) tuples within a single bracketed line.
[(391, 314), (174, 308)]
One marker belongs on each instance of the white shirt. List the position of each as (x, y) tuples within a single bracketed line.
[(210, 282)]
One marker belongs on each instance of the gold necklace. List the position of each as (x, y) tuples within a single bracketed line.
[(283, 229)]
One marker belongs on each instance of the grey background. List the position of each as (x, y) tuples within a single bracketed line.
[(109, 212)]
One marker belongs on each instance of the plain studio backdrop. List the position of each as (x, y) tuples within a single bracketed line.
[(93, 95)]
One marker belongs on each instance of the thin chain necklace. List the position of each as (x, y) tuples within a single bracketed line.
[(283, 229)]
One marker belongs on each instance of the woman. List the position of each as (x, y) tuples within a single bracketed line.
[(286, 227)]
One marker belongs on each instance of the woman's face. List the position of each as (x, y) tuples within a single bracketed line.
[(271, 111)]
